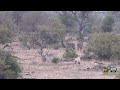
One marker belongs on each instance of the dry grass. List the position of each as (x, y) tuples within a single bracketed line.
[(33, 67)]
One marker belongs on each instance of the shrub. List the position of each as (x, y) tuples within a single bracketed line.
[(56, 46), (9, 68), (70, 54), (6, 36), (88, 55), (26, 41), (108, 22), (55, 60), (105, 45)]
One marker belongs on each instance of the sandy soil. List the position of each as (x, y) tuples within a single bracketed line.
[(33, 67)]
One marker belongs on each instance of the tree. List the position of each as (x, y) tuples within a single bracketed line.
[(105, 45), (6, 18), (116, 16), (39, 43), (52, 32), (9, 68), (107, 25), (6, 36), (17, 16), (97, 24), (116, 27), (68, 20), (31, 19), (81, 18)]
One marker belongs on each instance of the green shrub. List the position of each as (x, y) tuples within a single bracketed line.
[(108, 22), (105, 45), (70, 54), (55, 60), (88, 55), (6, 36), (9, 68), (24, 39)]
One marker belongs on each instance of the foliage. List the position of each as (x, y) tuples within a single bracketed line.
[(105, 45), (6, 36), (70, 54), (30, 19), (9, 68), (97, 24), (88, 55), (17, 16), (67, 18), (52, 32), (6, 18), (24, 39), (107, 25), (55, 60)]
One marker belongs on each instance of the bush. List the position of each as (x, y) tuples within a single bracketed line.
[(55, 60), (6, 36), (9, 68), (88, 55), (105, 45), (24, 39), (70, 54), (108, 22)]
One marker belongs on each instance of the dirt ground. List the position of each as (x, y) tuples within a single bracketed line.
[(34, 68)]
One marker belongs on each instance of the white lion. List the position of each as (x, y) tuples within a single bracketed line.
[(77, 60)]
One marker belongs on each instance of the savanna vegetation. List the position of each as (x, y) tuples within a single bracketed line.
[(67, 31)]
